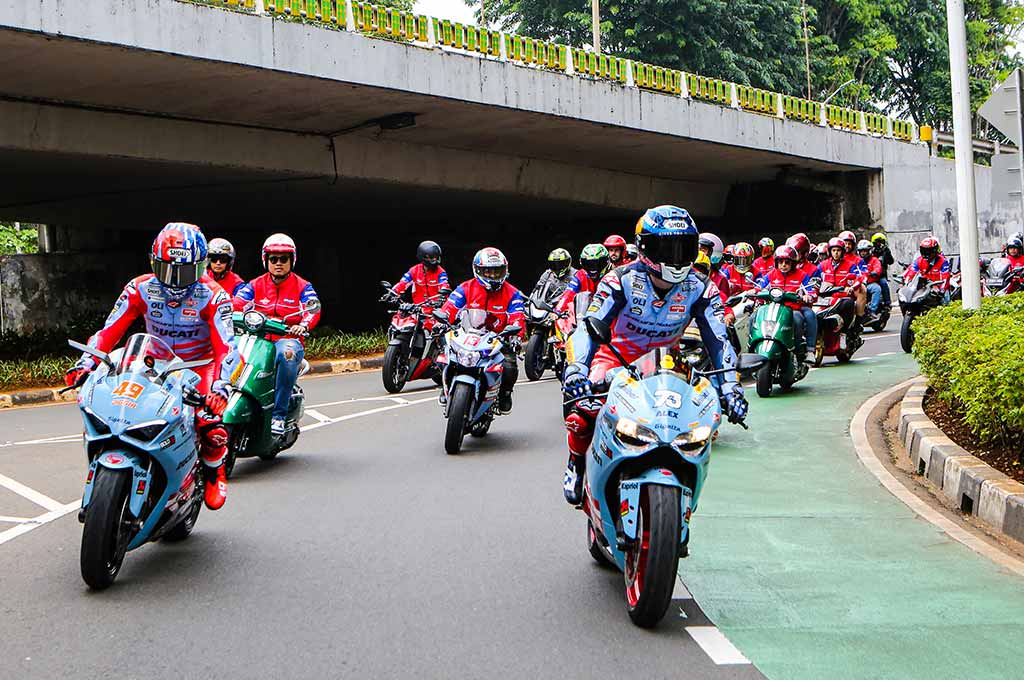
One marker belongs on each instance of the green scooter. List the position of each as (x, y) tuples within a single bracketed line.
[(247, 416), (772, 335)]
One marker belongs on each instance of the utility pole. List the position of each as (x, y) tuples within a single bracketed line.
[(807, 50), (963, 144), (595, 14)]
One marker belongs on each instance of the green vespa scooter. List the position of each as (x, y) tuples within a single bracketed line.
[(772, 335), (247, 416)]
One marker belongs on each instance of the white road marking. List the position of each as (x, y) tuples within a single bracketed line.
[(716, 645), (14, 520), (39, 521), (59, 439), (878, 336), (360, 414), (680, 592), (29, 494), (316, 415), (885, 354)]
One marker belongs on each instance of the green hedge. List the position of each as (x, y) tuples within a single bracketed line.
[(974, 359)]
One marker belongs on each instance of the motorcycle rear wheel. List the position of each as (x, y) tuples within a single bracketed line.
[(534, 360), (459, 402), (395, 371), (652, 562), (907, 334), (105, 534), (764, 380)]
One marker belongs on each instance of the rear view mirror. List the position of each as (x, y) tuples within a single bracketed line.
[(598, 330), (385, 285)]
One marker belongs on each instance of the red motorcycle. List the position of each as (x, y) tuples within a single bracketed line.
[(412, 348), (834, 338)]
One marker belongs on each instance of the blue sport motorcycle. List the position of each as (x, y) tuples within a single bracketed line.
[(471, 369), (145, 479), (648, 464)]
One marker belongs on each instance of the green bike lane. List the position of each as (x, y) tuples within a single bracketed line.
[(812, 569)]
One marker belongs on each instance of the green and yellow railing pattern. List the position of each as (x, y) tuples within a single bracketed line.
[(417, 29)]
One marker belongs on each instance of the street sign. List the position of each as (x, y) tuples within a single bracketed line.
[(1002, 109)]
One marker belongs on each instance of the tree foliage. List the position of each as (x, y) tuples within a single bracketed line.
[(891, 55), (16, 238)]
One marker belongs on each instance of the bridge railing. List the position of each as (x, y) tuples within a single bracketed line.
[(430, 32)]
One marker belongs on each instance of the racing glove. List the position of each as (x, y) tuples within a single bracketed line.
[(576, 382), (735, 405), (217, 400), (77, 374)]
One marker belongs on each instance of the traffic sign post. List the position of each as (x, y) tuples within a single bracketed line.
[(1003, 112)]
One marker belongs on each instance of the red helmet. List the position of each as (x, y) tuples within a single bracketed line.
[(767, 246), (786, 253), (614, 241), (836, 242), (728, 253), (800, 243), (929, 248), (279, 243)]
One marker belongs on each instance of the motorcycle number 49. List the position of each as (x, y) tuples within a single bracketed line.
[(667, 399)]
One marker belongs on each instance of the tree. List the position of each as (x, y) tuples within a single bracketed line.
[(17, 238)]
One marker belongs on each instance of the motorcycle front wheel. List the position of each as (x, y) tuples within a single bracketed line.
[(459, 402), (653, 560), (764, 380), (907, 334), (533, 362), (105, 534), (396, 368)]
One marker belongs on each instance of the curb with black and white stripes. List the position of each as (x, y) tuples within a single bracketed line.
[(967, 483)]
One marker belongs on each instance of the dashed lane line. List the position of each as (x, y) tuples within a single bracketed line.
[(39, 521), (316, 415), (716, 645)]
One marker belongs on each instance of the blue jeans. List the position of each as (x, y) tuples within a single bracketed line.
[(886, 295), (289, 358), (874, 297), (810, 327)]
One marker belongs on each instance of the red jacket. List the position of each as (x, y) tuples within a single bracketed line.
[(425, 283), (847, 273), (282, 301), (1015, 261), (504, 307), (937, 271), (579, 283), (762, 265), (796, 281), (874, 269), (230, 282), (738, 282)]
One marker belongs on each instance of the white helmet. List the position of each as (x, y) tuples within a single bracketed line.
[(222, 246), (279, 243), (490, 268)]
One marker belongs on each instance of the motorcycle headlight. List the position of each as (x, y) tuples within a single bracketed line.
[(253, 320), (467, 357), (96, 423), (776, 294), (694, 439), (146, 431), (769, 327), (633, 434)]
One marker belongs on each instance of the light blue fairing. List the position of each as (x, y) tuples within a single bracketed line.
[(480, 365), (669, 407), (174, 448)]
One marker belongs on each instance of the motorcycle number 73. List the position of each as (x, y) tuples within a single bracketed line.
[(667, 399)]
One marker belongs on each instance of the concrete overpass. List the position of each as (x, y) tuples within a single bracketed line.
[(120, 115)]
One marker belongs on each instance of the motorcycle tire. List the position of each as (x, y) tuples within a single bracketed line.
[(395, 370), (882, 322), (459, 402), (819, 351), (105, 534), (231, 457), (907, 334), (653, 561), (594, 547), (534, 360), (183, 529), (764, 380)]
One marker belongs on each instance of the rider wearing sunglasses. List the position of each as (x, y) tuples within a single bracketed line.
[(222, 262), (282, 294)]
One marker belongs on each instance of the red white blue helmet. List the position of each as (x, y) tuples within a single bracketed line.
[(178, 256), (490, 268), (666, 238), (277, 244)]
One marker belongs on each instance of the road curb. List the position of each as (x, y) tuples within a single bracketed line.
[(968, 484), (51, 394)]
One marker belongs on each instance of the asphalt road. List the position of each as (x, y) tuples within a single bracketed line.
[(364, 551)]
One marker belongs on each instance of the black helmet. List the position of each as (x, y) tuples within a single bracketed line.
[(429, 253), (559, 261)]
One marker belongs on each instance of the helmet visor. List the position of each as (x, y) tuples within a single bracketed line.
[(743, 262), (174, 275), (674, 250), (493, 274)]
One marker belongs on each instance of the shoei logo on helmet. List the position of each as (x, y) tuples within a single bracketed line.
[(674, 224), (178, 253)]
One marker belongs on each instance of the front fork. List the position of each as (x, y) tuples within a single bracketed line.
[(629, 505)]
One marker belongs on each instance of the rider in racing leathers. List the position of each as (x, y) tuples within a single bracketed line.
[(185, 308), (647, 304), (222, 263), (490, 290), (425, 281), (282, 294)]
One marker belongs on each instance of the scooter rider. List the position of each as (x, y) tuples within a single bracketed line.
[(593, 265), (490, 290), (880, 249), (790, 277), (222, 263), (802, 245), (647, 304), (1015, 251), (424, 281), (849, 241), (184, 307), (932, 265), (767, 259), (843, 270), (616, 247), (283, 294), (873, 274), (559, 272)]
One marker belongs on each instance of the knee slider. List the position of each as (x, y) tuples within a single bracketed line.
[(578, 424), (215, 436)]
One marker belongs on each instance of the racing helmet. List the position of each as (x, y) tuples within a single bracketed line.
[(631, 252), (615, 241), (801, 244), (878, 239), (559, 261), (743, 257), (178, 256), (836, 242), (666, 242), (713, 246), (702, 263), (429, 253), (277, 244), (1015, 242), (929, 248), (786, 252), (729, 253), (490, 268), (849, 240), (594, 260), (767, 246), (222, 247)]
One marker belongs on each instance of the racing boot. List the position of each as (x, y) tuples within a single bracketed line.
[(572, 483), (505, 401), (216, 491)]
